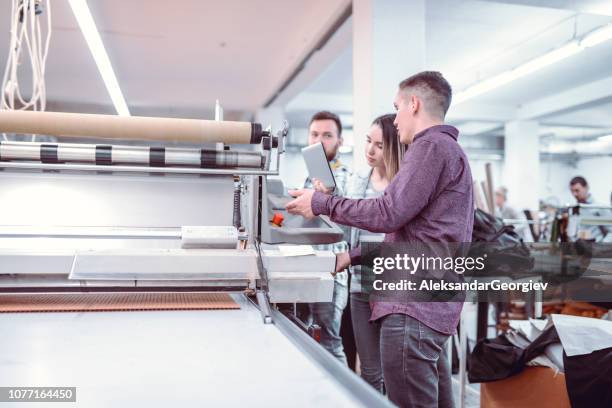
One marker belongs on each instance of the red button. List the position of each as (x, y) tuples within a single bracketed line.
[(278, 219)]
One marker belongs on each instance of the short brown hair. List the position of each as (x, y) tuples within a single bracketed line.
[(327, 115), (579, 180), (434, 90)]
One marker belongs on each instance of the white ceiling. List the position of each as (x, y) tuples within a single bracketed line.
[(175, 59), (490, 37), (178, 57), (334, 78)]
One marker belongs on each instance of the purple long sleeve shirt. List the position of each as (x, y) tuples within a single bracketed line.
[(429, 200)]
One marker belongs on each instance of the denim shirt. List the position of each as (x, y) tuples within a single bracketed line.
[(597, 232), (357, 187), (341, 176)]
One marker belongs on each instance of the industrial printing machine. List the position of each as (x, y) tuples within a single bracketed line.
[(164, 216)]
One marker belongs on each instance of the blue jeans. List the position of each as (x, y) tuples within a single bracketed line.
[(367, 340), (415, 363), (328, 315)]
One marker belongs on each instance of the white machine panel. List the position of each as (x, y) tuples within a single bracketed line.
[(165, 264), (106, 200), (300, 279), (300, 287), (209, 237), (277, 261)]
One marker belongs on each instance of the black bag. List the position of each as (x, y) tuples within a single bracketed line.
[(496, 359), (505, 251), (588, 379), (488, 228)]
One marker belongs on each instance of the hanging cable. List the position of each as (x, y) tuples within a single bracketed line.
[(26, 32)]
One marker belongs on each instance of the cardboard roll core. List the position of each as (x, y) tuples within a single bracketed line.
[(129, 127)]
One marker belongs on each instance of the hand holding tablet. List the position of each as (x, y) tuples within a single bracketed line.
[(318, 167)]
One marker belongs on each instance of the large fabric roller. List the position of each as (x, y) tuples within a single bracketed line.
[(129, 127)]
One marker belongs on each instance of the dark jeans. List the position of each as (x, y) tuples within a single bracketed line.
[(367, 338), (415, 363)]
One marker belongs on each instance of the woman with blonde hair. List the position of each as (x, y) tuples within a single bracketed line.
[(384, 152)]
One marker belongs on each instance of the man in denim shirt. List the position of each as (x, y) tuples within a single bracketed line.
[(326, 128), (580, 190), (430, 200)]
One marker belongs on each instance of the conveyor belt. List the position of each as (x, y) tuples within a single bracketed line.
[(105, 302), (174, 359)]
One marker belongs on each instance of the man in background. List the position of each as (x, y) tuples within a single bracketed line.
[(502, 209), (325, 127), (580, 190), (506, 212)]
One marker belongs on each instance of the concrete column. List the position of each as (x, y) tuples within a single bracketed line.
[(388, 46), (521, 174)]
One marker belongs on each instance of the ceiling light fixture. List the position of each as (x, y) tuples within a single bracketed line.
[(96, 47), (595, 37), (606, 138)]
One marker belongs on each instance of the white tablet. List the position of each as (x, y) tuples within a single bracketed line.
[(318, 166)]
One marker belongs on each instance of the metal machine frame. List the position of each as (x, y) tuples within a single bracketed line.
[(253, 202)]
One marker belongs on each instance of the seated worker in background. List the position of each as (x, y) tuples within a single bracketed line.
[(430, 200), (580, 190), (502, 209), (384, 153), (326, 128), (505, 212)]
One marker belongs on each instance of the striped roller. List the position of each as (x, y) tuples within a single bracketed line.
[(128, 155)]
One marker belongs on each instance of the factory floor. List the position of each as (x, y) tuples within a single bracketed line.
[(472, 394)]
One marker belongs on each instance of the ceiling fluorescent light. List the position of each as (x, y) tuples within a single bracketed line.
[(597, 36), (547, 59), (483, 87), (571, 48), (96, 47), (534, 65)]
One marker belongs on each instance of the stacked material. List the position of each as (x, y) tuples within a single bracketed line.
[(577, 348), (106, 302)]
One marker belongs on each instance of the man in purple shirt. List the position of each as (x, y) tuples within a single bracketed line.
[(429, 201)]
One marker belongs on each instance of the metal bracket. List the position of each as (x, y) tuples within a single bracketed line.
[(264, 307), (262, 297)]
